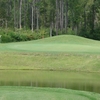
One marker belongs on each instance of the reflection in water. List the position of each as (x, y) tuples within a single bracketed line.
[(70, 80), (74, 86)]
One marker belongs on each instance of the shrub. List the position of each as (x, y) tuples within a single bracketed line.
[(96, 34), (70, 31), (6, 38), (23, 35)]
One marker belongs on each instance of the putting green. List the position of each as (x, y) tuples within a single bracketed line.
[(63, 43), (31, 93)]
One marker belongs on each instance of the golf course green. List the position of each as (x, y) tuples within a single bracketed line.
[(63, 43), (64, 61)]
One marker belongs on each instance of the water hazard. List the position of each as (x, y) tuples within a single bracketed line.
[(61, 79)]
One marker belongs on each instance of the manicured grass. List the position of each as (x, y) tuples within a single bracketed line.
[(30, 93), (64, 43)]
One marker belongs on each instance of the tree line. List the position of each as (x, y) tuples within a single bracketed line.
[(79, 17)]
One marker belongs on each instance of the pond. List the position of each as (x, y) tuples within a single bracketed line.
[(85, 81)]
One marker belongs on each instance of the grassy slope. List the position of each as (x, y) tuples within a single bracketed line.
[(75, 53), (69, 62), (29, 93), (64, 43)]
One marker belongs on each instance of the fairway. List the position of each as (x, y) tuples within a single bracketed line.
[(32, 93)]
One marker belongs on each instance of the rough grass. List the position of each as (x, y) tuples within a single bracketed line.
[(30, 93), (43, 61)]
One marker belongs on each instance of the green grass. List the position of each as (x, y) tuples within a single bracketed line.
[(64, 43), (30, 93), (65, 52), (41, 61), (62, 61)]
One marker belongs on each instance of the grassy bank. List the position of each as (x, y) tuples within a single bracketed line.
[(45, 61)]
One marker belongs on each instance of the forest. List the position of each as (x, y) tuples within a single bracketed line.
[(22, 20)]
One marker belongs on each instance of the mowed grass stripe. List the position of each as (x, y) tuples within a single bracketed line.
[(30, 93)]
